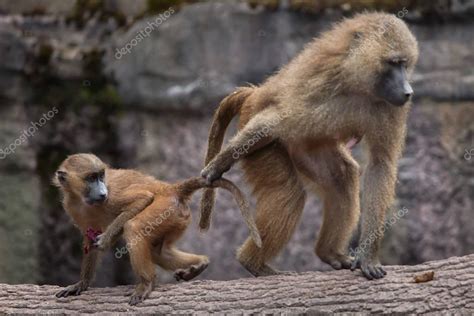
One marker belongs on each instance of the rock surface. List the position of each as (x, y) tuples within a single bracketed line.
[(450, 291), (169, 84), (204, 51)]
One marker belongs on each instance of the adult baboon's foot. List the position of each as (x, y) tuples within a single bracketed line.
[(371, 268), (337, 261), (264, 270)]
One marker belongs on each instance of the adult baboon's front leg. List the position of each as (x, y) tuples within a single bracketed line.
[(256, 134), (378, 196)]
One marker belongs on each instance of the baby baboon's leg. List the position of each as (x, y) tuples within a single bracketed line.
[(280, 201), (166, 232), (141, 259), (186, 265), (336, 175)]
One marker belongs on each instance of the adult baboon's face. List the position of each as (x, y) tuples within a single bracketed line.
[(392, 84), (381, 58)]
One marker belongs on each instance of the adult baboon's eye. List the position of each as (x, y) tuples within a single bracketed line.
[(397, 62), (393, 62)]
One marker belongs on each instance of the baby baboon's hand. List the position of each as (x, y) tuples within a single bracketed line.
[(102, 242)]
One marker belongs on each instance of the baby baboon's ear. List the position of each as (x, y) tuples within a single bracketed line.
[(61, 176)]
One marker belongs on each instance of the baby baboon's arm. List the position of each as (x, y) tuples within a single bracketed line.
[(88, 266), (255, 135), (129, 204)]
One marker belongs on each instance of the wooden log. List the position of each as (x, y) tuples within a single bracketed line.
[(451, 290)]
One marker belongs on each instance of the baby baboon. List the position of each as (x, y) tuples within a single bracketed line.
[(152, 214), (350, 83)]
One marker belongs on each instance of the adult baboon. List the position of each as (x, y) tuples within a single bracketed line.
[(350, 83)]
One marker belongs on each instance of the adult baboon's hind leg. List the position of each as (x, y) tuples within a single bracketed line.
[(335, 175), (280, 201)]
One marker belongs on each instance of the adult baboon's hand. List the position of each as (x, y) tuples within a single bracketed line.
[(371, 268)]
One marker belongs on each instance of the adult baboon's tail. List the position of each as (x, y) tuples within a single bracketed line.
[(228, 108), (187, 187)]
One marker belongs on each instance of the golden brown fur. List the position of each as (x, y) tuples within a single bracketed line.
[(310, 109), (152, 214)]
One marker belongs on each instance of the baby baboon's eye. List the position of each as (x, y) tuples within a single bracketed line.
[(61, 176), (91, 177)]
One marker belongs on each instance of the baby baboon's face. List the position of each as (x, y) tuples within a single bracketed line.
[(83, 175)]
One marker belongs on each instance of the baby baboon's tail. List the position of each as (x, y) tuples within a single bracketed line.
[(186, 188)]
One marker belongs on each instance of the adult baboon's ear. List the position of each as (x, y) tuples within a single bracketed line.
[(357, 35), (61, 175), (355, 40)]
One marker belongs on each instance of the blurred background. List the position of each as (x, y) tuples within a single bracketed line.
[(136, 82)]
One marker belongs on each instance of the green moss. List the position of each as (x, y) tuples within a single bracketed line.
[(108, 96), (157, 6), (44, 54), (317, 6), (19, 224), (93, 66), (84, 9), (35, 11), (98, 90), (269, 4)]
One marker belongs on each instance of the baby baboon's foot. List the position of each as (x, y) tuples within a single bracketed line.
[(337, 261), (75, 289), (191, 272), (142, 291)]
